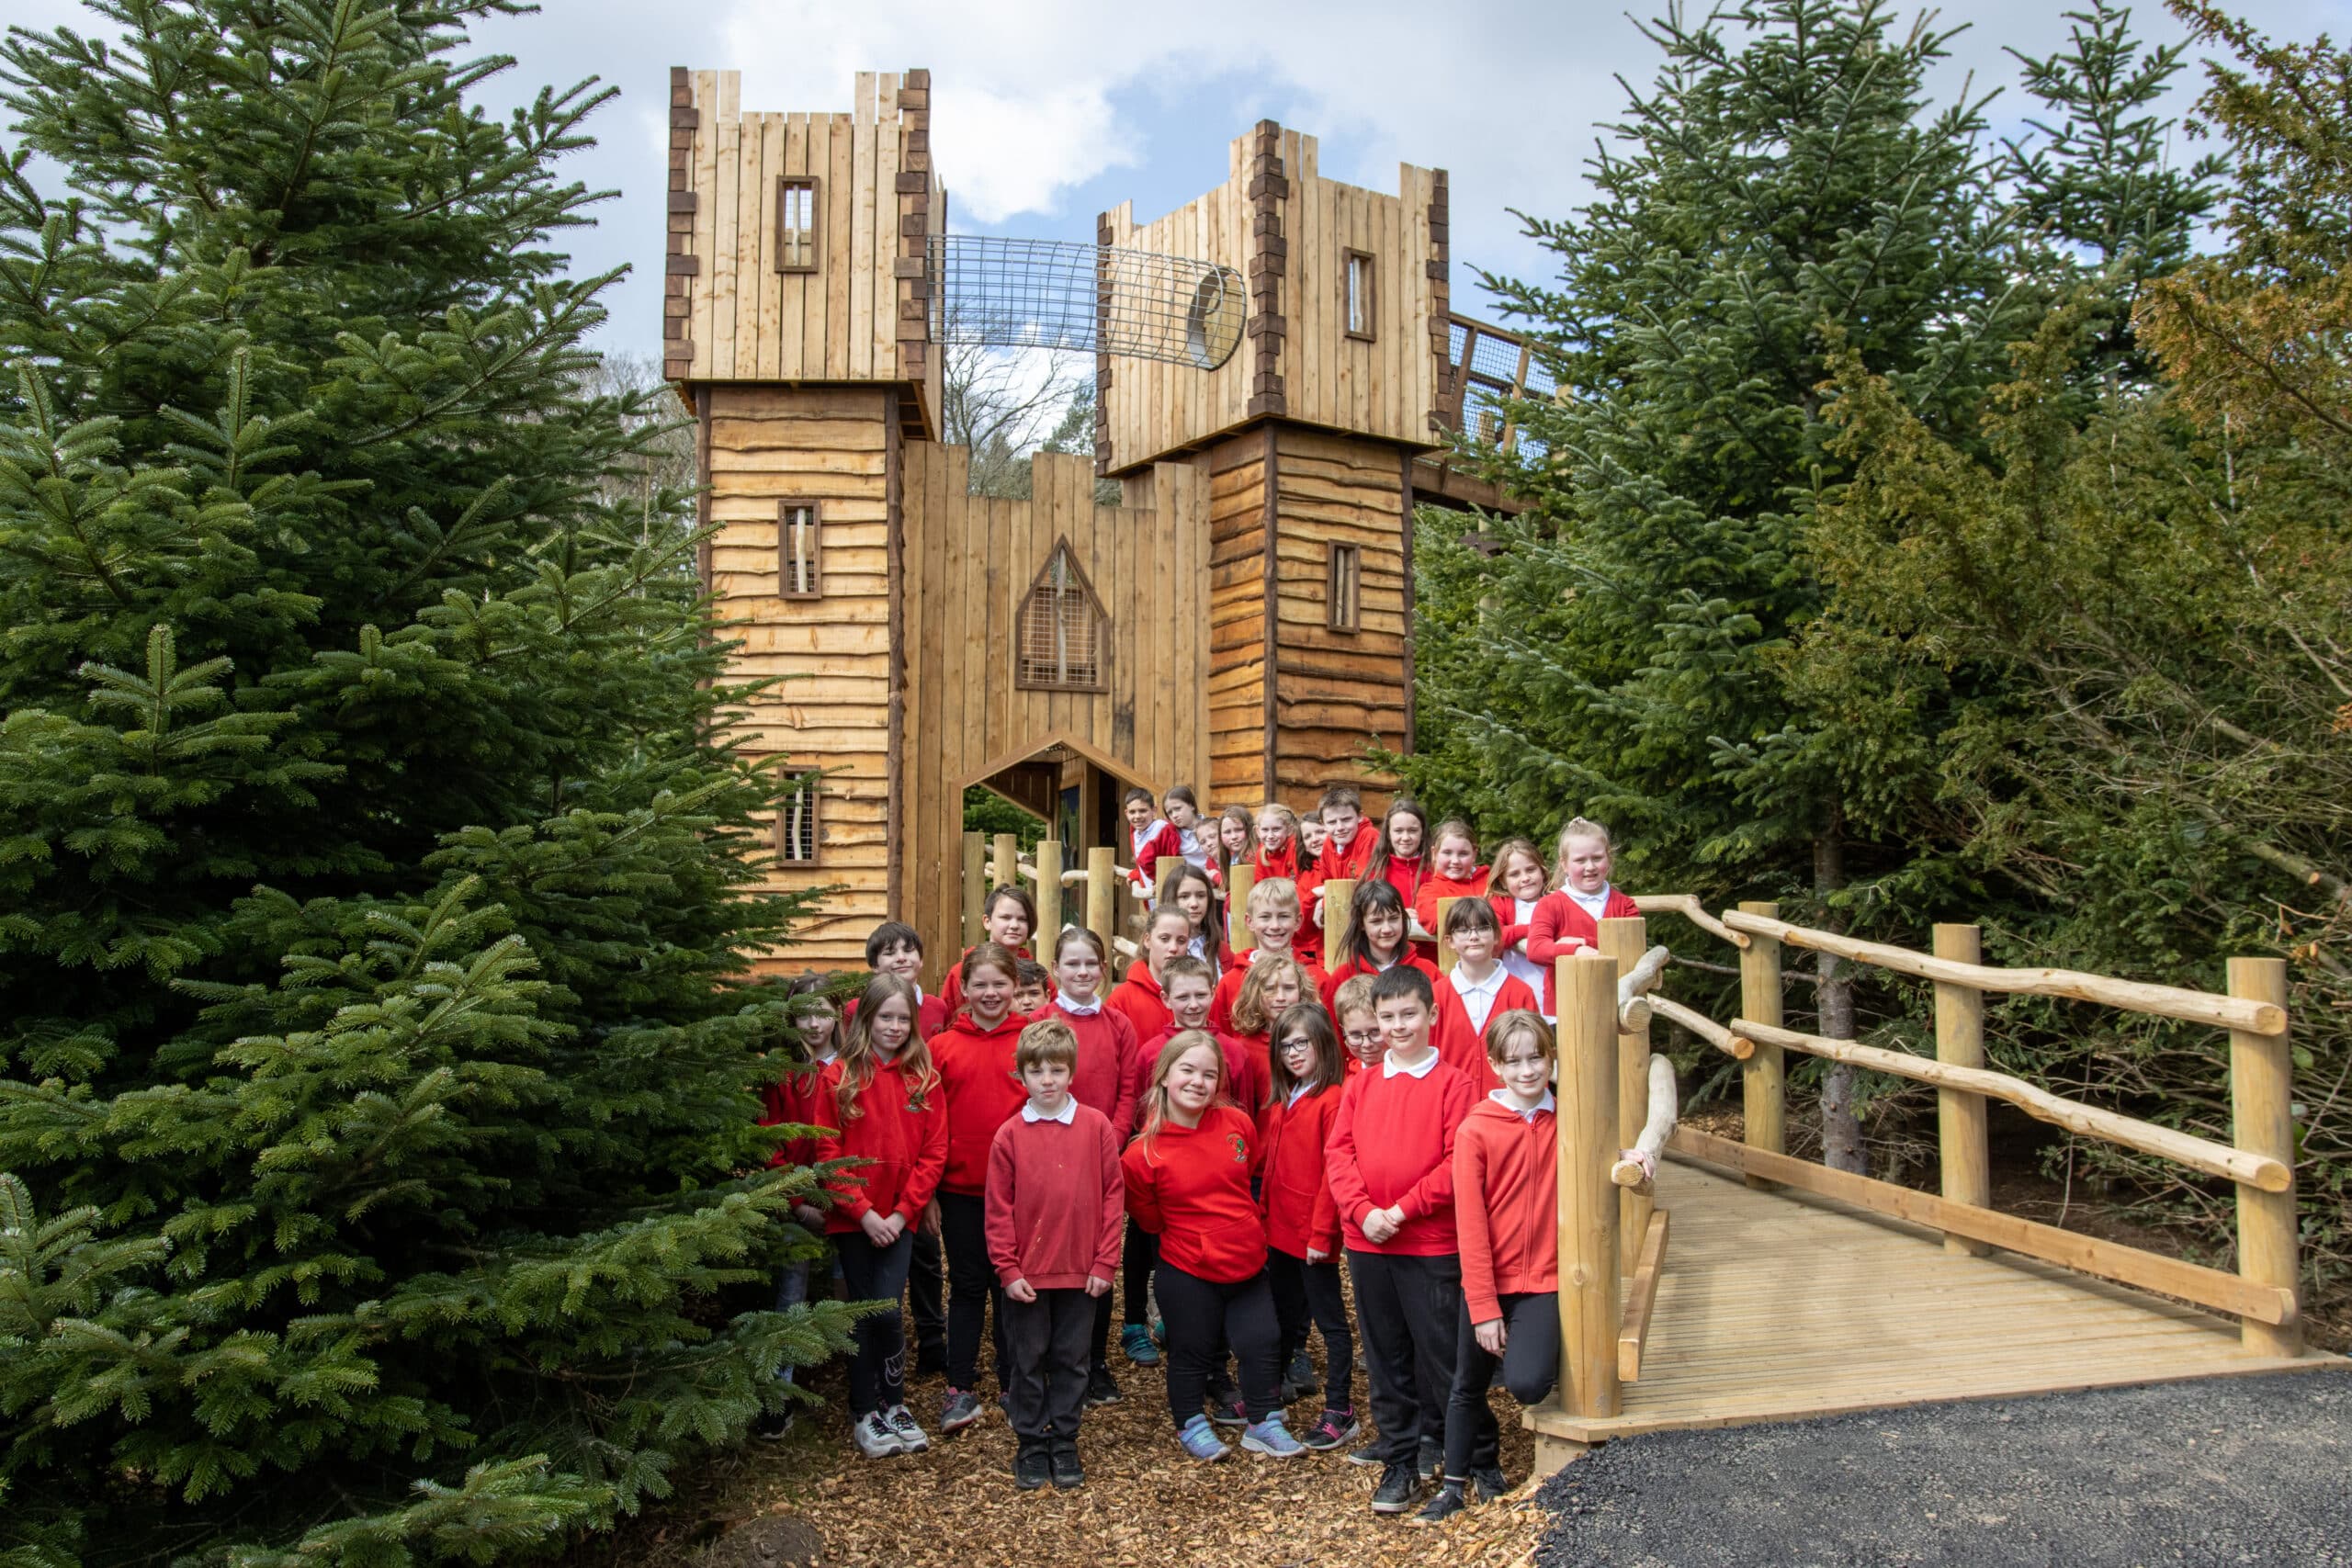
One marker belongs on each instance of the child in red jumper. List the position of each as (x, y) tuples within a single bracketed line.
[(1033, 989), (1516, 887), (1480, 989), (1142, 998), (1150, 837), (1055, 1200), (1400, 858), (1188, 1177), (974, 1056), (1282, 847), (1187, 985), (1568, 920), (1008, 917), (1189, 989), (1301, 1225), (1273, 918), (1391, 1166), (1358, 1027), (1103, 1077), (1235, 842), (896, 948), (1376, 939), (1345, 852), (1506, 1207), (1454, 872), (795, 1102), (883, 1106), (1272, 988), (1191, 891)]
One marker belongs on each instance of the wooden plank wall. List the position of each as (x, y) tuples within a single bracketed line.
[(969, 561), (828, 445), (1239, 770), (745, 322)]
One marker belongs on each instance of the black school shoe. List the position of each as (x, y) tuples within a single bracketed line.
[(1490, 1481), (1431, 1461), (1099, 1389), (1398, 1487), (1068, 1472), (1032, 1467), (1447, 1502)]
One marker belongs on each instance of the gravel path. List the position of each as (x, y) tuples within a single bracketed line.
[(2225, 1471)]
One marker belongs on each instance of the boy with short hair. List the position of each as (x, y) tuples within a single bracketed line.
[(896, 948), (1390, 1162), (1057, 1201), (1032, 988), (1347, 844), (1271, 916)]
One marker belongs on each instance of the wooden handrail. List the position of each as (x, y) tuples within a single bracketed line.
[(2198, 1154), (1706, 1027), (2133, 995), (1687, 905)]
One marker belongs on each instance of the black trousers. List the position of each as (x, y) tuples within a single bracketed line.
[(972, 1289), (877, 1369), (1142, 1253), (1048, 1339), (1308, 1294), (1406, 1307), (1203, 1317), (1530, 1365), (927, 1297)]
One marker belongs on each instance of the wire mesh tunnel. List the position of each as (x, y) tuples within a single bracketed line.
[(1007, 293)]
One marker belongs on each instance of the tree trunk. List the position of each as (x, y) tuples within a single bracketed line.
[(1841, 1130)]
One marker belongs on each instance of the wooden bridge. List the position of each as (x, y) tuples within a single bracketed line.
[(1747, 1285)]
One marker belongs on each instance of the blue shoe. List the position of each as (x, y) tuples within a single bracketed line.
[(1272, 1437), (1136, 1340), (1200, 1440)]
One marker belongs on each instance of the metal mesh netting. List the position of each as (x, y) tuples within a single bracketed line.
[(1007, 293)]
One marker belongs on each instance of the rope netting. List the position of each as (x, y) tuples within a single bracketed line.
[(1059, 294)]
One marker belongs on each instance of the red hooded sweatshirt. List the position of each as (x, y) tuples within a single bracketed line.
[(1506, 1205), (1351, 862), (951, 990), (905, 1144), (1140, 1001), (1190, 1187), (976, 1071), (1295, 1196)]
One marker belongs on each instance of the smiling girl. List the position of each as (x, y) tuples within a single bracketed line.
[(974, 1056)]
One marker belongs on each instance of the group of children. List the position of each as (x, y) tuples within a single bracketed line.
[(1223, 1133)]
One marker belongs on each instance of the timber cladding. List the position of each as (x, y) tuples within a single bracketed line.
[(970, 561)]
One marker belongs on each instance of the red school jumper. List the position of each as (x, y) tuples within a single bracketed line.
[(951, 990), (1190, 1187), (1105, 1077), (1244, 1082), (1392, 1144), (796, 1101), (1460, 1039), (905, 1148), (1434, 887), (1055, 1200), (1353, 967), (1294, 1193), (1229, 986), (1351, 861), (931, 1013), (1506, 1205), (982, 1090), (1155, 840), (1560, 928)]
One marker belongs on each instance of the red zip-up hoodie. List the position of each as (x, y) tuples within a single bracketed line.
[(906, 1147), (1560, 928), (1506, 1205), (982, 1090), (1392, 1144), (1190, 1187), (1292, 1193), (1105, 1077)]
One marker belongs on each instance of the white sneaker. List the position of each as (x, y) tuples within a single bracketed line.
[(873, 1438), (912, 1438)]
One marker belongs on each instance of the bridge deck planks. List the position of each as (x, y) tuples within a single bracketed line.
[(1780, 1305)]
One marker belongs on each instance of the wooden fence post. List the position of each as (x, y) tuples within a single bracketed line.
[(975, 884), (2262, 1120), (1338, 911), (1960, 1116), (1050, 892), (1763, 1082), (1008, 862), (1238, 934), (1624, 941), (1591, 1302), (1102, 892), (1445, 954)]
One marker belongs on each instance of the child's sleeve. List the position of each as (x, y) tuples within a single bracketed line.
[(1004, 1243), (1475, 1235), (1114, 1210), (1434, 1190), (930, 1159), (1547, 937), (1350, 1198), (1143, 1194), (1123, 1040), (1323, 1221)]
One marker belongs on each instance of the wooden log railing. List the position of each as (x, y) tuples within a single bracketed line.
[(1109, 889), (2263, 1292)]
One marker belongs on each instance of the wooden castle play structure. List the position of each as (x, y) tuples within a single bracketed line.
[(1241, 620)]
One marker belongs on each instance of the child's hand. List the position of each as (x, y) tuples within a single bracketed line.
[(809, 1215), (1022, 1290), (1491, 1335), (1379, 1226), (880, 1231), (930, 1217), (1316, 1254), (1095, 1285)]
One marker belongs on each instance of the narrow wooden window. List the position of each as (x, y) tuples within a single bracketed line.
[(1063, 632), (1359, 296), (1343, 588), (796, 821), (797, 550), (796, 223)]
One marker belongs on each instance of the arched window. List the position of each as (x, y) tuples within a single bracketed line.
[(1063, 634)]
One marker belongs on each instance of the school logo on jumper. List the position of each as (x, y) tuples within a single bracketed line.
[(1240, 1149)]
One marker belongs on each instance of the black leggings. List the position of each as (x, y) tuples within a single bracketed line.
[(1202, 1317), (1305, 1292), (1530, 1365), (972, 1289), (1142, 1252), (877, 1369)]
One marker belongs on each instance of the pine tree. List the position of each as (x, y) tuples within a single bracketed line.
[(378, 1067)]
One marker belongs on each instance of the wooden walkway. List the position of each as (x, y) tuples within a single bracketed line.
[(1780, 1305)]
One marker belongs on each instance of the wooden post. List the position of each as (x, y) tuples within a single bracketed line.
[(1008, 862), (1445, 954), (1591, 1305), (975, 884), (1102, 892), (2262, 1120), (1339, 909), (1624, 941), (1050, 892), (1960, 1116), (1763, 1082), (1238, 934)]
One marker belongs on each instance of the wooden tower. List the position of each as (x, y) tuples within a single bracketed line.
[(1240, 620)]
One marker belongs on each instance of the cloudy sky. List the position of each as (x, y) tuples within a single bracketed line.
[(1048, 111)]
